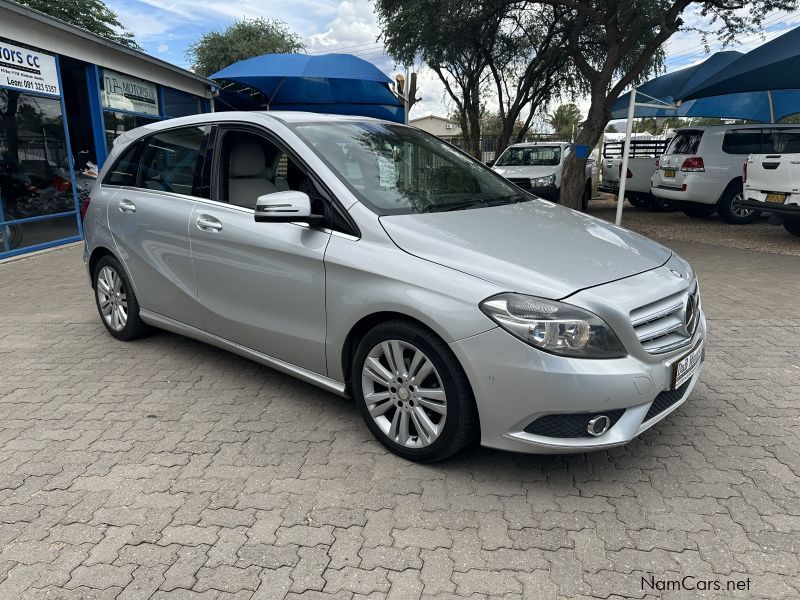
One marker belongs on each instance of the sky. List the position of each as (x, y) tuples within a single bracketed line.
[(165, 28)]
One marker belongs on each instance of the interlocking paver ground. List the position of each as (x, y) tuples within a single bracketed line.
[(166, 468)]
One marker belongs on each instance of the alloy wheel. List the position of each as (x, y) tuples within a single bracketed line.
[(741, 213), (404, 394), (112, 299)]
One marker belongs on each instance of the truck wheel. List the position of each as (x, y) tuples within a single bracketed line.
[(587, 195), (735, 216), (698, 211), (637, 201), (792, 226)]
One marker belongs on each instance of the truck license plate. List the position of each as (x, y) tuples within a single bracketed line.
[(776, 198), (684, 368)]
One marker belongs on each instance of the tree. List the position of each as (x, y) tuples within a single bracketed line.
[(565, 120), (611, 129), (449, 36), (528, 65), (615, 44), (90, 15), (245, 38)]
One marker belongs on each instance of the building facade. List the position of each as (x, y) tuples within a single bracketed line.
[(438, 126), (65, 95)]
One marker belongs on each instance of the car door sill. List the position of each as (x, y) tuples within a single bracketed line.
[(280, 365)]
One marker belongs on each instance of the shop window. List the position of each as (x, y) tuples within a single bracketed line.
[(117, 123), (172, 160), (180, 104), (35, 177)]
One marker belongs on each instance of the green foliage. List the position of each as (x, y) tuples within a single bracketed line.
[(795, 118), (246, 38), (611, 129), (565, 120), (91, 15)]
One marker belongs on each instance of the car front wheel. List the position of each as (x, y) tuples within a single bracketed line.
[(412, 392)]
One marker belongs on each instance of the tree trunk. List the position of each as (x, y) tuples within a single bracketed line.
[(573, 177)]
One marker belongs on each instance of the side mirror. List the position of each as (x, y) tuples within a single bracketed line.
[(285, 207), (490, 163)]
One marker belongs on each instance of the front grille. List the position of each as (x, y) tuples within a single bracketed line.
[(571, 425), (522, 182), (666, 399), (660, 325)]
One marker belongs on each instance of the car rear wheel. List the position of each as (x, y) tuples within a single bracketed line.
[(735, 216), (587, 195), (412, 392), (698, 211), (116, 301), (792, 226)]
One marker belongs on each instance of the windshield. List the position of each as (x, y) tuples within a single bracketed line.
[(395, 169), (532, 156)]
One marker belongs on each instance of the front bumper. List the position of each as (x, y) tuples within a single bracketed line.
[(514, 384)]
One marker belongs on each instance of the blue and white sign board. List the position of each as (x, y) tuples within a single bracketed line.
[(123, 92), (28, 70)]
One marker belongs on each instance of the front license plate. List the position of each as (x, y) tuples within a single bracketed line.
[(684, 368), (669, 173), (776, 198)]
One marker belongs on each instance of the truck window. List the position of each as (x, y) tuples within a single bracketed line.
[(781, 141)]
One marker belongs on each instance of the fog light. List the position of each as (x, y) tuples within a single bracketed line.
[(598, 425)]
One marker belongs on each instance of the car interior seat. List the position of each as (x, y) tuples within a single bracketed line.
[(247, 174)]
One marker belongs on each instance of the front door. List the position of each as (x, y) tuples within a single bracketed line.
[(149, 218), (260, 285)]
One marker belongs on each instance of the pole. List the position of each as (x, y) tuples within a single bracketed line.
[(626, 153), (771, 107), (407, 86)]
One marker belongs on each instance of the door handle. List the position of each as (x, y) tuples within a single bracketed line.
[(207, 223), (127, 206)]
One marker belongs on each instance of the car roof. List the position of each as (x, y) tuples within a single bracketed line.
[(252, 116), (713, 128)]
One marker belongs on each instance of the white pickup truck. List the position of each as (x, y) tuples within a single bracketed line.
[(642, 163), (772, 181)]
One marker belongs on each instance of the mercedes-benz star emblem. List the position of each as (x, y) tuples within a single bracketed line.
[(690, 314)]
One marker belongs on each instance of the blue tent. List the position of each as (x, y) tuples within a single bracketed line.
[(763, 105), (328, 83), (772, 66)]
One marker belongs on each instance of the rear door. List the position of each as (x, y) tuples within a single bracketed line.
[(149, 220), (261, 285)]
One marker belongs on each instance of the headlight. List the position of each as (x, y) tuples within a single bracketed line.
[(543, 181), (554, 327)]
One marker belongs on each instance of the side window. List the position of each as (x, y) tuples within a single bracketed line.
[(172, 161), (124, 170), (742, 141), (253, 166)]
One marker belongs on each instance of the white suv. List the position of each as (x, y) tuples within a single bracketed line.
[(701, 170)]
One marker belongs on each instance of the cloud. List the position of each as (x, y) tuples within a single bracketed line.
[(162, 47)]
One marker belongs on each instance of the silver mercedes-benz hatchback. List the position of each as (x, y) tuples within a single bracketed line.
[(376, 261)]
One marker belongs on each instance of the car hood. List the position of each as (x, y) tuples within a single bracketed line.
[(531, 172), (532, 247)]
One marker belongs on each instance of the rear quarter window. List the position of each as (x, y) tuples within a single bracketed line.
[(685, 142), (123, 172)]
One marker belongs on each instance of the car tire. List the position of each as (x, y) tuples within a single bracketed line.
[(698, 211), (738, 216), (587, 195), (661, 204), (116, 301), (638, 201), (792, 226), (421, 426)]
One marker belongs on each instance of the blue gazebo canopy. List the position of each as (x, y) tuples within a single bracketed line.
[(330, 83), (762, 85)]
